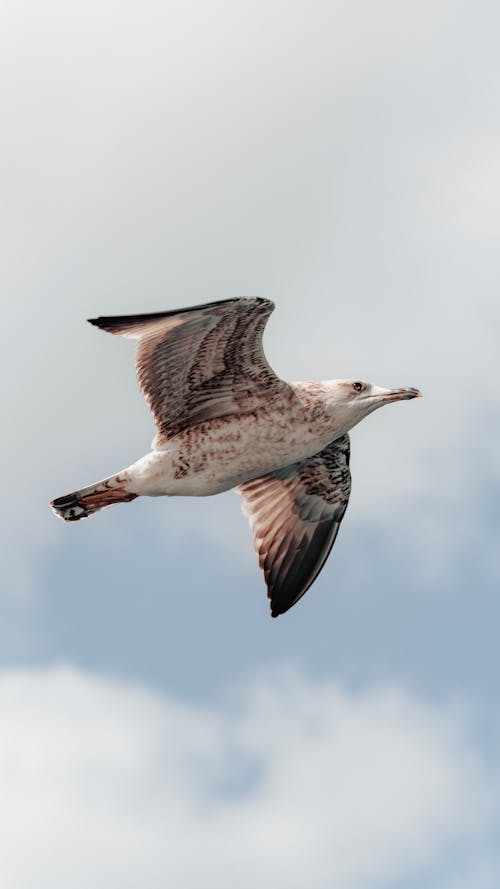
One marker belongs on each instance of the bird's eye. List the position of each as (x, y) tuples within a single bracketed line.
[(358, 387)]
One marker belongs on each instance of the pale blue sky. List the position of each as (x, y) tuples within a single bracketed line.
[(342, 160)]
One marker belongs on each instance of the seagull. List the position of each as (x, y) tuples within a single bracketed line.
[(225, 420)]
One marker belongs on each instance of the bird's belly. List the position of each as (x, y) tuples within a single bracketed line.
[(216, 456)]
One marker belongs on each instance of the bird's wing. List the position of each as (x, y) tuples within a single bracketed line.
[(202, 362), (295, 514)]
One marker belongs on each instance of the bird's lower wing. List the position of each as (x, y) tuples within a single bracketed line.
[(295, 514)]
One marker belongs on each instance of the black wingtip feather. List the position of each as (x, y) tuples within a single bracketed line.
[(120, 323)]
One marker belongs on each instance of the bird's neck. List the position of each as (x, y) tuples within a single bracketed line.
[(322, 413)]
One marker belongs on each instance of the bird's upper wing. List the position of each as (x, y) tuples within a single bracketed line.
[(202, 362), (295, 514)]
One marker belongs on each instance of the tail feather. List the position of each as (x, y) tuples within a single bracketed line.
[(87, 501)]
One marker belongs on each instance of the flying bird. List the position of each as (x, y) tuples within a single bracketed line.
[(225, 420)]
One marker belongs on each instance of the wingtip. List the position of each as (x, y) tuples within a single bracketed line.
[(276, 610), (114, 324), (101, 322)]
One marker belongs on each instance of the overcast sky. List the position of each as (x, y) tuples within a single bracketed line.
[(156, 727)]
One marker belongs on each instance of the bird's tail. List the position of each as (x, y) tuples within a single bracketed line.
[(86, 501)]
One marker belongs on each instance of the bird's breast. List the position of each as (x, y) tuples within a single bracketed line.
[(217, 455)]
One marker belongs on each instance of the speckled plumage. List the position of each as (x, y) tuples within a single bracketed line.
[(225, 420)]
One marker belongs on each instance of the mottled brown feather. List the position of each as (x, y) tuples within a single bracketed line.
[(202, 363), (295, 514)]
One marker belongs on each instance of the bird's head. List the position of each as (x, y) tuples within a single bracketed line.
[(355, 399)]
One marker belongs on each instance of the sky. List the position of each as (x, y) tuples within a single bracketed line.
[(156, 726)]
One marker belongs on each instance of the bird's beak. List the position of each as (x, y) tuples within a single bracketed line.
[(384, 396)]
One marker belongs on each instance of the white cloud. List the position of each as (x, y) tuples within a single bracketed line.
[(109, 784)]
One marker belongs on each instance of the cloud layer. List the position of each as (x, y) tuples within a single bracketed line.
[(288, 783)]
